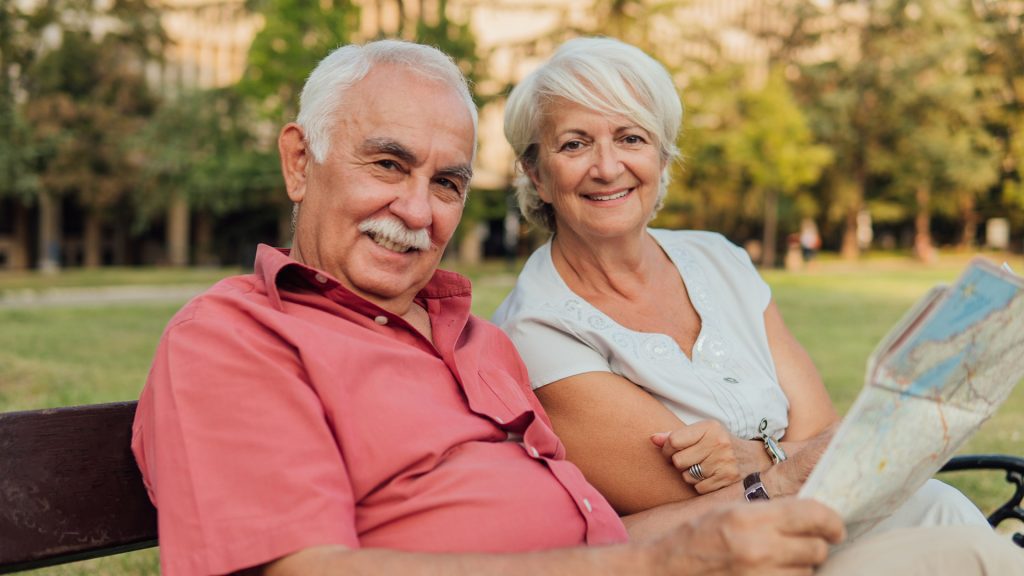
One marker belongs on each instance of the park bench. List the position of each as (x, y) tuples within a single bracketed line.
[(70, 490)]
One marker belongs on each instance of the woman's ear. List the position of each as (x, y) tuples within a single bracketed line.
[(534, 174), (295, 160)]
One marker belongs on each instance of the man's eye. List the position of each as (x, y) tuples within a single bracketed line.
[(388, 164), (449, 184)]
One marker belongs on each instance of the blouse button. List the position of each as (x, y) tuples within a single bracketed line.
[(382, 320), (321, 278), (586, 503), (731, 380), (534, 452)]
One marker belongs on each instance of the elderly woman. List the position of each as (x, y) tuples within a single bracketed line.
[(637, 338)]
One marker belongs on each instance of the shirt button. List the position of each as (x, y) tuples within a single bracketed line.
[(588, 506), (382, 320), (534, 452), (499, 420), (321, 278), (731, 380)]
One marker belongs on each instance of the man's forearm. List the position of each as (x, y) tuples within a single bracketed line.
[(656, 522), (337, 560)]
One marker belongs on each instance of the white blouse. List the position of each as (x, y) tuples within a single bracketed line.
[(731, 377)]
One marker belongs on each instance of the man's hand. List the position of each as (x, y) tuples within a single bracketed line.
[(786, 478), (723, 458), (776, 538)]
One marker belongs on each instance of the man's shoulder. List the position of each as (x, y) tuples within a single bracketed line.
[(222, 300)]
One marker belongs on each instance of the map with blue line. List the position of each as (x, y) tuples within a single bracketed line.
[(932, 381)]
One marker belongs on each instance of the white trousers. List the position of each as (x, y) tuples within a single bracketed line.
[(928, 551), (934, 504)]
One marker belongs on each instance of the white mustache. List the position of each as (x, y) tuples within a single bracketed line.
[(395, 234)]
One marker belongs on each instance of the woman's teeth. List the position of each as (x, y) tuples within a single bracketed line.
[(615, 196)]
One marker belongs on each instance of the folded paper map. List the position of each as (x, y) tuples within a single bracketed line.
[(931, 382)]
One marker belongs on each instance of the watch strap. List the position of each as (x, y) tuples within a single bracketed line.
[(753, 488)]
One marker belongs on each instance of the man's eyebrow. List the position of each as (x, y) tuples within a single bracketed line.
[(462, 171), (388, 146)]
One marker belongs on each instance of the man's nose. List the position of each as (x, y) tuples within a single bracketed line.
[(607, 165), (412, 205)]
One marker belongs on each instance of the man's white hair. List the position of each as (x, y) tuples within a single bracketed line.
[(323, 96)]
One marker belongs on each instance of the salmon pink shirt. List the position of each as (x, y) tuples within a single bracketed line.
[(282, 412)]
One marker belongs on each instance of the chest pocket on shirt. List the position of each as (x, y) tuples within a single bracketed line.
[(498, 397)]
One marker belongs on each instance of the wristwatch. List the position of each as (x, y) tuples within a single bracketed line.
[(753, 489)]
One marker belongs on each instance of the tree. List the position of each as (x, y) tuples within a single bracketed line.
[(202, 153), (997, 65), (933, 149), (707, 188), (86, 95), (84, 91), (775, 148), (295, 35)]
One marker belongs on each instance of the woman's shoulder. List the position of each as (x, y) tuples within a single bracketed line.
[(696, 241), (537, 285), (704, 238)]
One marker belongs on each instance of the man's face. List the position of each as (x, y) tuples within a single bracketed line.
[(401, 153)]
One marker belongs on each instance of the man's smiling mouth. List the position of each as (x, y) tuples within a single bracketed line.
[(389, 243)]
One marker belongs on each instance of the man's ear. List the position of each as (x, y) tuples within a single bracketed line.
[(295, 160)]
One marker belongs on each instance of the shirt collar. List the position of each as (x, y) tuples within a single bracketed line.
[(271, 263)]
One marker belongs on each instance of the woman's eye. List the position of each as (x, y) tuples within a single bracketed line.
[(572, 145), (633, 139)]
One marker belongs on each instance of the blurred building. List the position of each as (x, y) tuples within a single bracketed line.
[(209, 40)]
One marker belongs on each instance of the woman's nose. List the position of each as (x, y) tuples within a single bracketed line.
[(607, 166)]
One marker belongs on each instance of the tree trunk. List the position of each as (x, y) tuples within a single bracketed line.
[(19, 252), (471, 246), (923, 249), (177, 231), (49, 233), (92, 243), (849, 249), (771, 227), (970, 222), (204, 240)]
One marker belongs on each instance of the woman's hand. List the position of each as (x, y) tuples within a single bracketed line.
[(723, 459)]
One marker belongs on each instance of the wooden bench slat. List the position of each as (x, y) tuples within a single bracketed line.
[(69, 486)]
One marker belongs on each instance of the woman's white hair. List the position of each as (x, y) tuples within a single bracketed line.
[(323, 96), (602, 74)]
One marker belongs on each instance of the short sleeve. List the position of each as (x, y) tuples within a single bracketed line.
[(236, 452), (746, 274), (552, 353)]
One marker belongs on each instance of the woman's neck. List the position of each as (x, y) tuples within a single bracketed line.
[(621, 266)]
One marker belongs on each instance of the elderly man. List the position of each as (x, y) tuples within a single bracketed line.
[(340, 411)]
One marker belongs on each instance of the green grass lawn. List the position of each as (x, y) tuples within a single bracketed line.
[(55, 356)]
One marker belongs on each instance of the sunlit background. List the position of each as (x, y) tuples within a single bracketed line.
[(143, 133), (138, 162)]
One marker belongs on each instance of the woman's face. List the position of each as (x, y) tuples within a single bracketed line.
[(600, 173)]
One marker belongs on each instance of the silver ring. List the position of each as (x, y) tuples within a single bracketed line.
[(696, 472)]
